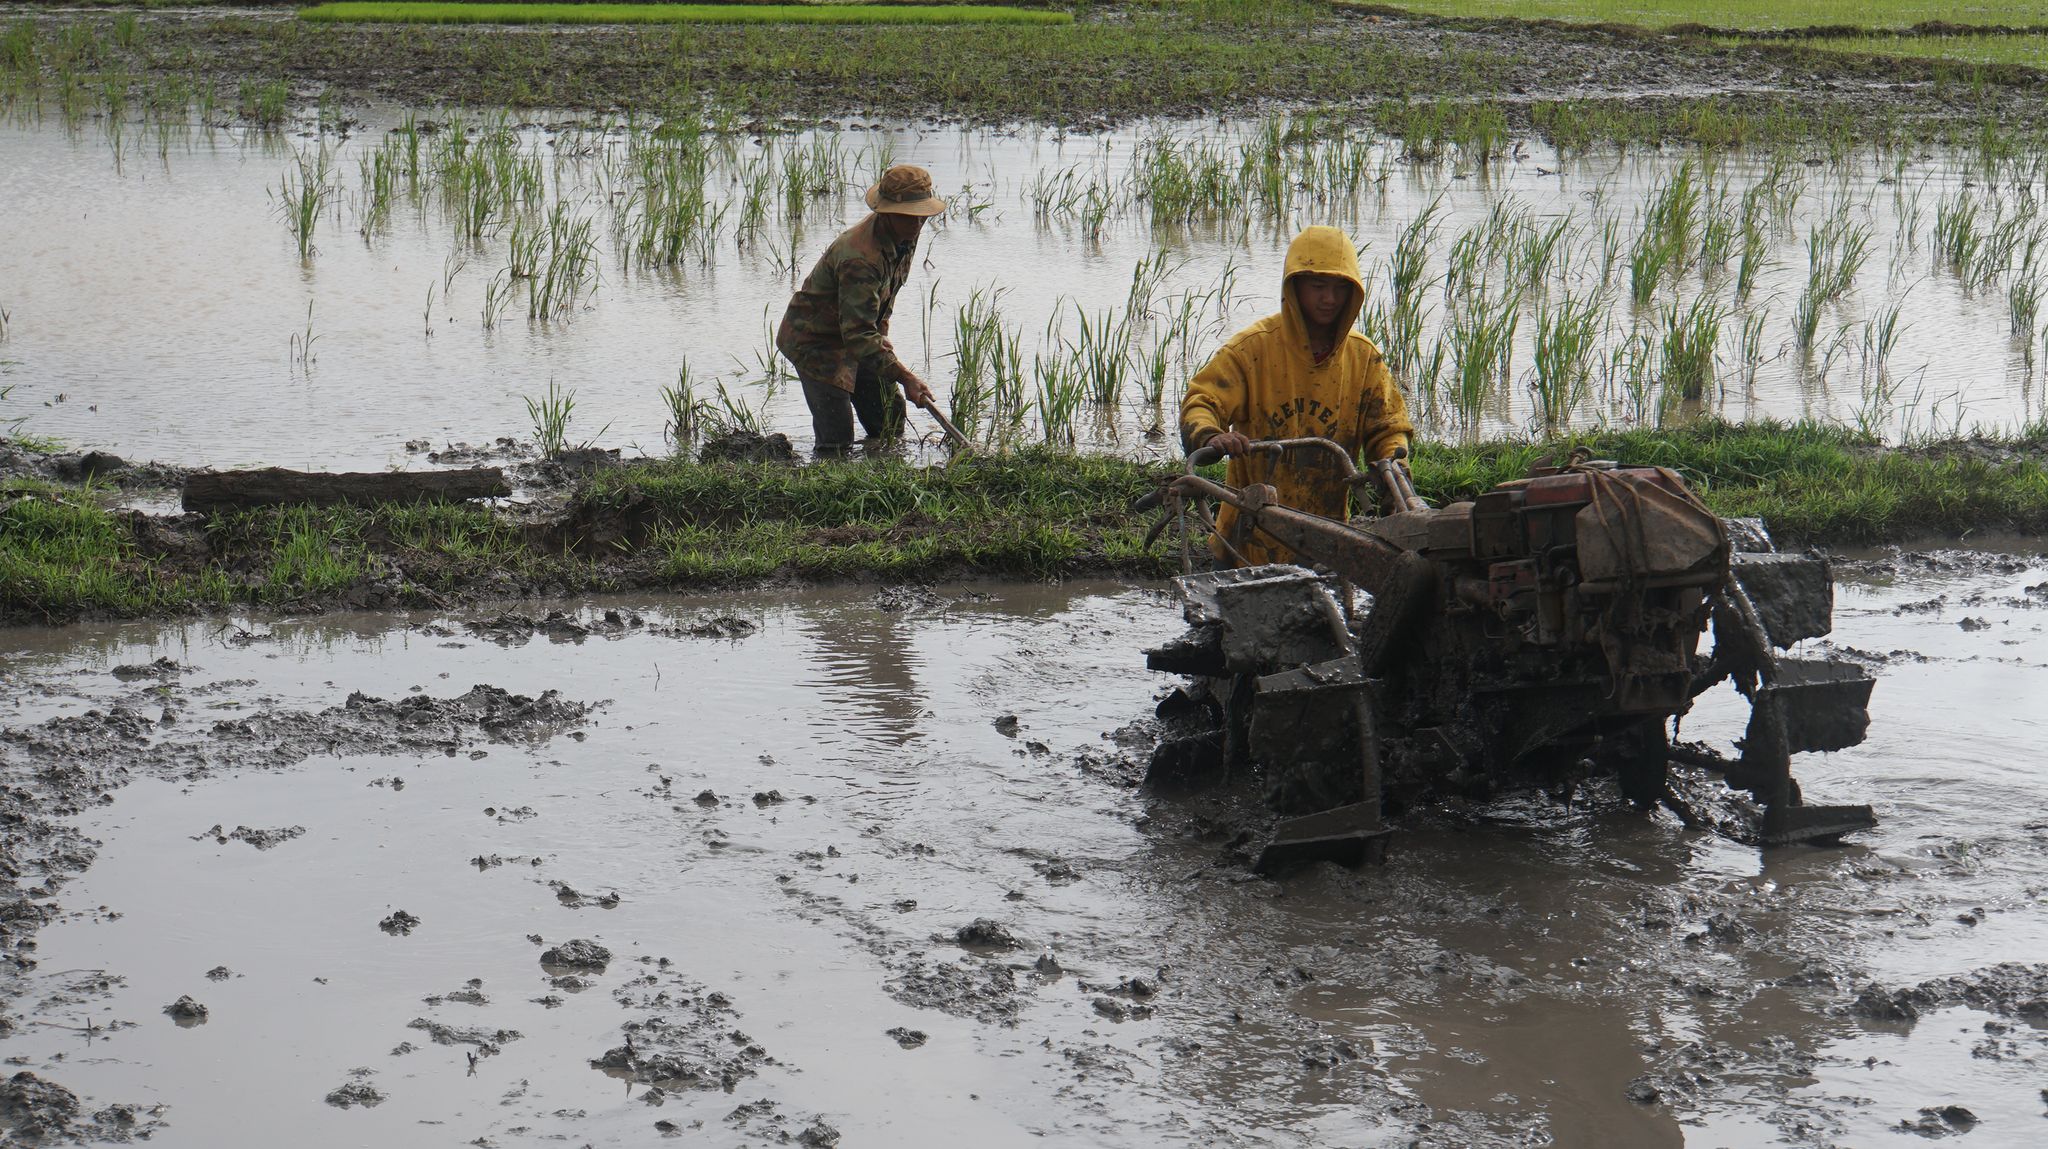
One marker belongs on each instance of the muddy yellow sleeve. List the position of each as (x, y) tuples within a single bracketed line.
[(1215, 400), (1383, 414)]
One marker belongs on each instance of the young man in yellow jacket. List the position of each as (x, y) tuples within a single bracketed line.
[(1305, 372)]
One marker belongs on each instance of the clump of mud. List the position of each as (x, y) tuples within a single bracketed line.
[(684, 1039), (983, 991), (504, 448), (487, 1041), (2008, 989), (84, 466), (261, 839), (357, 1091), (399, 924), (34, 1111), (581, 955), (740, 446), (986, 933)]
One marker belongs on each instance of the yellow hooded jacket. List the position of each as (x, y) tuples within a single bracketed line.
[(1266, 384)]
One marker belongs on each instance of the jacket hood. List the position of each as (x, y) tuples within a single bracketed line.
[(1320, 250)]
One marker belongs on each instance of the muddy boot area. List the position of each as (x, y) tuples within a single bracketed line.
[(847, 868)]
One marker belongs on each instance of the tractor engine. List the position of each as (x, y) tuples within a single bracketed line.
[(1550, 627)]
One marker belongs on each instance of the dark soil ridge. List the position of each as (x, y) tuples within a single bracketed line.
[(1126, 64)]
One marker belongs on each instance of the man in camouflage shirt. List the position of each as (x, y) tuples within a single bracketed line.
[(836, 329)]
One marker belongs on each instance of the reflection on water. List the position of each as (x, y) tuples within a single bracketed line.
[(862, 678), (161, 307)]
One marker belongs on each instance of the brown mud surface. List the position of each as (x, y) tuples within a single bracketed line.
[(875, 869), (996, 75)]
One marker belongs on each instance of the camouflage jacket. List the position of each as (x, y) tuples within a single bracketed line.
[(838, 321)]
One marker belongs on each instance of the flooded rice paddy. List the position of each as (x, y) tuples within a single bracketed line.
[(326, 295), (785, 819)]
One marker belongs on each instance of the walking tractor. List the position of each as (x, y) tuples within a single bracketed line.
[(1550, 628)]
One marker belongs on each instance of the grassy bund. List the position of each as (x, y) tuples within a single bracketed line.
[(466, 13), (1741, 15), (686, 526)]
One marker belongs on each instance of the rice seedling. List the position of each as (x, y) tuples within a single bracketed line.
[(6, 324), (810, 171), (1881, 334), (1908, 211), (561, 267), (1565, 339), (729, 412), (18, 52), (427, 313), (1610, 251), (1649, 260), (1718, 231), (376, 180), (1540, 248), (1806, 316), (265, 105), (1754, 255), (684, 409), (1411, 253), (1465, 263), (1060, 392), (1835, 251), (879, 156), (1674, 211), (1686, 352), (757, 192), (1629, 377), (675, 217), (303, 195), (1155, 361), (769, 365), (551, 415), (1007, 387), (302, 357), (1835, 349), (977, 347), (1482, 336), (1407, 280), (1958, 243), (499, 293), (2023, 302), (1749, 348), (1103, 354), (1146, 278)]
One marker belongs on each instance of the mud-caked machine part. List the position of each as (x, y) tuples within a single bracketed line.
[(1547, 628)]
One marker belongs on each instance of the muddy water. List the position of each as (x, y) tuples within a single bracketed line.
[(1508, 978), (159, 306)]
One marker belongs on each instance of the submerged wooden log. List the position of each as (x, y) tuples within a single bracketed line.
[(273, 486)]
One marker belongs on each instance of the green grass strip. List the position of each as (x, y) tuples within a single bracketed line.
[(1034, 514), (1745, 15), (1808, 482), (411, 13), (2026, 50)]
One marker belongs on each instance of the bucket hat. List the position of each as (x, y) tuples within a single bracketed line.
[(905, 189)]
